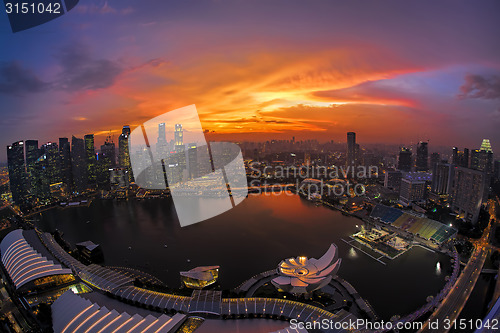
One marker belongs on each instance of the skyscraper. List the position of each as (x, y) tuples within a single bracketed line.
[(435, 159), (106, 161), (351, 157), (422, 163), (65, 162), (91, 159), (17, 172), (32, 154), (405, 160), (123, 152), (468, 193), (79, 165), (442, 178), (179, 138)]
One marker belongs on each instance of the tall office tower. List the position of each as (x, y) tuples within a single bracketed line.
[(180, 149), (108, 152), (124, 153), (412, 190), (486, 146), (50, 153), (192, 162), (161, 142), (422, 163), (351, 157), (468, 192), (481, 160), (79, 165), (465, 158), (392, 179), (442, 178), (454, 156), (435, 159), (179, 138), (496, 169), (65, 162), (405, 160), (17, 172), (106, 161), (32, 154), (91, 160)]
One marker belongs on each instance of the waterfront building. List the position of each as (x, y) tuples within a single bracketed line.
[(469, 192), (405, 160), (17, 172), (74, 313), (200, 277), (30, 267), (90, 251), (422, 163), (304, 275)]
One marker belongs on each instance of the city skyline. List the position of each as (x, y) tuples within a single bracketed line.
[(317, 74)]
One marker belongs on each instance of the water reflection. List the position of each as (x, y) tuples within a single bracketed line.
[(438, 268), (352, 253)]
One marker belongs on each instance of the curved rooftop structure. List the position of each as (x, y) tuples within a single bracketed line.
[(303, 275), (25, 264), (72, 313)]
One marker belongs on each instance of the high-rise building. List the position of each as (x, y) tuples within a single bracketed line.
[(468, 192), (412, 190), (482, 160), (392, 179), (65, 162), (91, 159), (32, 154), (17, 172), (192, 162), (405, 160), (435, 159), (50, 153), (179, 138), (422, 163), (351, 157), (123, 152), (496, 169), (442, 178), (486, 146), (460, 158), (79, 165), (106, 161)]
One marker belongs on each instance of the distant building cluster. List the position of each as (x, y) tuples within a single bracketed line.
[(56, 172), (464, 181)]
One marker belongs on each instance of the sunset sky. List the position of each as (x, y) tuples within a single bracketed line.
[(392, 71)]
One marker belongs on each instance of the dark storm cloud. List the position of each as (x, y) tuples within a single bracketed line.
[(80, 71), (15, 79), (477, 86)]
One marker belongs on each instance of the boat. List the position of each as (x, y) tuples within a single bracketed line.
[(130, 247), (165, 246), (189, 260)]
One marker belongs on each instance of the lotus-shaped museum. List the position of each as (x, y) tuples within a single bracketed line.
[(303, 275)]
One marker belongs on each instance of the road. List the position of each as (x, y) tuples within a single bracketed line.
[(450, 308)]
